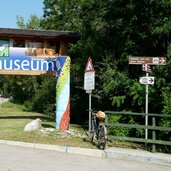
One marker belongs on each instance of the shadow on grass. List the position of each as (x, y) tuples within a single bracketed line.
[(43, 118), (48, 126), (87, 140)]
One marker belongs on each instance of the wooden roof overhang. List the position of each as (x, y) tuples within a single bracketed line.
[(67, 36)]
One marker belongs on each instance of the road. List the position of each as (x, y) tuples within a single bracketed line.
[(14, 158)]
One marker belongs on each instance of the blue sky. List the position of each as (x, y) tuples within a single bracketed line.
[(24, 8)]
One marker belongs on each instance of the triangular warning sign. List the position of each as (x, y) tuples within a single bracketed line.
[(89, 66)]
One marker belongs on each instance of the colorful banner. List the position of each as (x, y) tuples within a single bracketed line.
[(38, 59), (63, 93)]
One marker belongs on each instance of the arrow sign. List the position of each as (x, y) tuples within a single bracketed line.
[(146, 80), (162, 60), (137, 60)]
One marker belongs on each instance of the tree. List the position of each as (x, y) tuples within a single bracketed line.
[(61, 15), (111, 31), (32, 23)]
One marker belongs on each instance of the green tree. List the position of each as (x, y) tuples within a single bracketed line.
[(61, 15), (110, 32), (32, 23)]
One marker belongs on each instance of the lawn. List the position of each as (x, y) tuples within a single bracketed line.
[(13, 119)]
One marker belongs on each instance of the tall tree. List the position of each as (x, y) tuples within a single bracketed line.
[(111, 31), (61, 15), (32, 23)]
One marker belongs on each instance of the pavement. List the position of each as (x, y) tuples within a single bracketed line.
[(110, 153)]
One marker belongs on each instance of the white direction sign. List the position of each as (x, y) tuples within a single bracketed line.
[(146, 80)]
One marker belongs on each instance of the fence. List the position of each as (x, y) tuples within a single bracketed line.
[(151, 127)]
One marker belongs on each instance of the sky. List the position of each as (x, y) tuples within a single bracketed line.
[(23, 8)]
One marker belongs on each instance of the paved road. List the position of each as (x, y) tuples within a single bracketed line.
[(13, 158)]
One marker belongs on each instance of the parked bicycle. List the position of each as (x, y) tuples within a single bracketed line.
[(98, 129)]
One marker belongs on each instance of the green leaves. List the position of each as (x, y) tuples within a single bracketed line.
[(32, 23), (61, 15), (137, 91)]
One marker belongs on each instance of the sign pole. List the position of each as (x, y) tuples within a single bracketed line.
[(145, 61), (89, 85), (146, 112), (89, 112)]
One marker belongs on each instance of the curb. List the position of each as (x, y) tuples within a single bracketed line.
[(111, 153), (139, 155), (58, 148)]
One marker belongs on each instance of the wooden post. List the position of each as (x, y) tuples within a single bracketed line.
[(106, 120), (154, 134), (63, 48)]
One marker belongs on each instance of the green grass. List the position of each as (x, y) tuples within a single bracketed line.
[(13, 119)]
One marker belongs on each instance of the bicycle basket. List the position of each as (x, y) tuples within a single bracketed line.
[(101, 115)]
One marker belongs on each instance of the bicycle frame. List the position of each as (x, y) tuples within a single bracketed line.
[(98, 131)]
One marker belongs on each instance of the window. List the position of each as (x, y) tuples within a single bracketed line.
[(34, 44), (4, 48), (19, 43)]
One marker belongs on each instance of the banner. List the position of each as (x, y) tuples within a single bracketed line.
[(36, 61), (63, 93)]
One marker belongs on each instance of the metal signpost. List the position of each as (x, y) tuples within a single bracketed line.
[(89, 84), (145, 62)]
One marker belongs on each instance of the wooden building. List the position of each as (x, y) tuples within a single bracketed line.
[(18, 45), (52, 42)]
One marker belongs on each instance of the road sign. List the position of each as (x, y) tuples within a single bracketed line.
[(89, 76), (146, 80), (89, 66), (89, 84), (89, 80), (146, 68), (137, 60)]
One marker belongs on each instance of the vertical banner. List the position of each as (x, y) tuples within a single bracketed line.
[(63, 93)]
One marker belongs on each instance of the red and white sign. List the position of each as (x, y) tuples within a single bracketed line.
[(89, 66), (89, 76)]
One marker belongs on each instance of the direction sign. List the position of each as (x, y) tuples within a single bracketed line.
[(147, 60), (146, 80), (146, 68)]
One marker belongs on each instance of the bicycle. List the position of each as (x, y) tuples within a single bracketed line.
[(98, 129)]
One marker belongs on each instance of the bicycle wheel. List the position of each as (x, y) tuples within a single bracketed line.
[(91, 136), (92, 132), (102, 137)]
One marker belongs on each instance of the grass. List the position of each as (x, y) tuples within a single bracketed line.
[(13, 119)]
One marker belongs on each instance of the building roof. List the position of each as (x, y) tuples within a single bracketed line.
[(45, 34)]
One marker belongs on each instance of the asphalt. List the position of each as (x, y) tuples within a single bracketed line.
[(110, 153)]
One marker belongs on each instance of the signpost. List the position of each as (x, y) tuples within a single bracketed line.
[(146, 80), (145, 62), (89, 84)]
